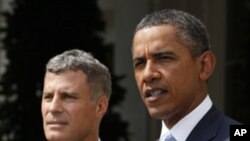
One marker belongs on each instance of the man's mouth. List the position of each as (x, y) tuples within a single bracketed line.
[(155, 92), (56, 124)]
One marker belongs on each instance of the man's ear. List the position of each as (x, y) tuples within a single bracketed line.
[(102, 105), (207, 61)]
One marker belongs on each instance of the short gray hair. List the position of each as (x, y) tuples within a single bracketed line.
[(191, 32), (98, 75)]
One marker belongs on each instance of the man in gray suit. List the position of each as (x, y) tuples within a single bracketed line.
[(172, 61), (75, 98)]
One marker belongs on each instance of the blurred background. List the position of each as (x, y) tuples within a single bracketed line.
[(33, 31)]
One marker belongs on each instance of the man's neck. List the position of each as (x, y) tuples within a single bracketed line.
[(178, 115)]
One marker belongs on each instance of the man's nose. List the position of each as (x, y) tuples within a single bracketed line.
[(150, 73), (56, 105)]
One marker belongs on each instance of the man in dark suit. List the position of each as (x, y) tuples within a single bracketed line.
[(172, 62)]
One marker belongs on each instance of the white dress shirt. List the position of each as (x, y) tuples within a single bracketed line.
[(183, 128)]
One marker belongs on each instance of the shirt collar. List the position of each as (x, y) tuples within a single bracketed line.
[(188, 122)]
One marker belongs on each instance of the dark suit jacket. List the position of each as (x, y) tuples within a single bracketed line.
[(214, 126)]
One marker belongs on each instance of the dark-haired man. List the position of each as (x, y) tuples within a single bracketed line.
[(172, 62)]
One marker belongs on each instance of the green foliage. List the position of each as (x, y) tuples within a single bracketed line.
[(38, 30)]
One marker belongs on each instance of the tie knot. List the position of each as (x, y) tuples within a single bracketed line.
[(169, 137)]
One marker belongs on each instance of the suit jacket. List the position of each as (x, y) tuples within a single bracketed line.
[(214, 126)]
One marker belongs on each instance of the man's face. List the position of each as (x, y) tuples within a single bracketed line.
[(166, 74), (68, 112)]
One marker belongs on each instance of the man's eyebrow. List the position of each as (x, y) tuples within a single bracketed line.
[(138, 58), (155, 54), (46, 92), (161, 53), (68, 92)]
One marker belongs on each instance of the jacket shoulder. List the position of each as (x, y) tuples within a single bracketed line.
[(213, 126)]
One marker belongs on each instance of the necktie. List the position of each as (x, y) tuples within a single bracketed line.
[(169, 137)]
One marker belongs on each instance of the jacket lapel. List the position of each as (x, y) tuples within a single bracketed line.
[(207, 128)]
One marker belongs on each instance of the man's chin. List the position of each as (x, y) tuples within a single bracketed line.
[(156, 114), (55, 136)]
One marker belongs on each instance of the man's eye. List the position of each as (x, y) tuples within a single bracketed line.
[(164, 57), (48, 97), (68, 96), (137, 63)]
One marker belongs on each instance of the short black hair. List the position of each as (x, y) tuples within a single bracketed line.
[(191, 32)]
